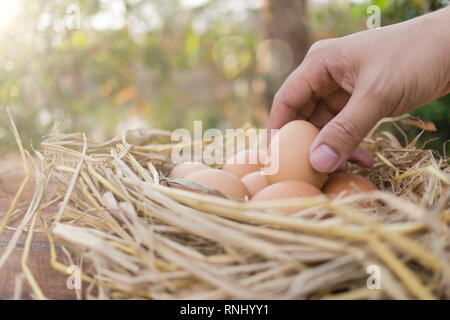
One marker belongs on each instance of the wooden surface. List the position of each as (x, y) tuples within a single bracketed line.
[(52, 282)]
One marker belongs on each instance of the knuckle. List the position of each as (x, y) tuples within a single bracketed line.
[(346, 129), (380, 96), (278, 97), (280, 100), (320, 46), (375, 89)]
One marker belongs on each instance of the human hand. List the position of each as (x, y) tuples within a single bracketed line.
[(346, 85)]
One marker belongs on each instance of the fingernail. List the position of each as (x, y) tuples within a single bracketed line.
[(324, 159)]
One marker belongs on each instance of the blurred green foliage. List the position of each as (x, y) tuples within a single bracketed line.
[(102, 65)]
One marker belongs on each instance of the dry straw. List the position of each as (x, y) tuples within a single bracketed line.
[(134, 235)]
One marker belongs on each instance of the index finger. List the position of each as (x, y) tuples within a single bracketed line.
[(311, 79)]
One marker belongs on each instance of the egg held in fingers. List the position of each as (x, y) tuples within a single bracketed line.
[(289, 155)]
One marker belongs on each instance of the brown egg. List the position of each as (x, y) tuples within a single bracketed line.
[(254, 181), (221, 181), (289, 155), (286, 190), (346, 182), (183, 169), (244, 162)]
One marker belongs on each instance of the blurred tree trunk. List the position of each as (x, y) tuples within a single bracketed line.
[(284, 20)]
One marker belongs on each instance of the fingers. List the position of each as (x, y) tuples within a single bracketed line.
[(336, 100), (340, 137), (321, 116), (343, 167), (310, 80), (328, 107), (362, 157)]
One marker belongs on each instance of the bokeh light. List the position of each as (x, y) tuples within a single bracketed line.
[(274, 57), (9, 11), (232, 55)]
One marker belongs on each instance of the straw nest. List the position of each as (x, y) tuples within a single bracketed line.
[(133, 235)]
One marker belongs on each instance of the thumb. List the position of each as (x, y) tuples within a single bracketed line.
[(339, 138)]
